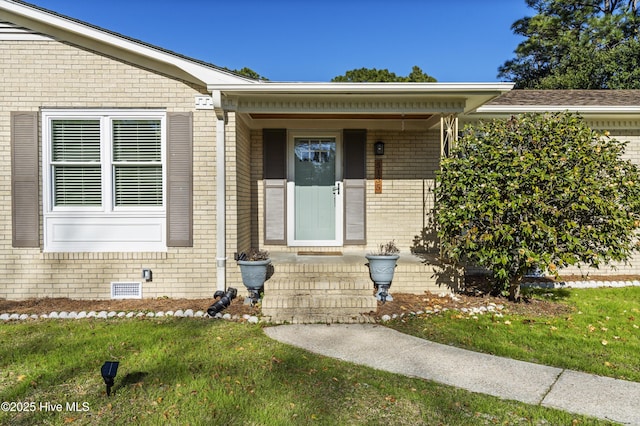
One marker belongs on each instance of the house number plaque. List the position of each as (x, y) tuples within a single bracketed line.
[(378, 176)]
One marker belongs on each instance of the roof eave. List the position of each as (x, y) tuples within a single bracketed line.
[(582, 109), (472, 95), (363, 88)]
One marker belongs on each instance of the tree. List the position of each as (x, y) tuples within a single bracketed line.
[(577, 44), (375, 75), (248, 72), (536, 191)]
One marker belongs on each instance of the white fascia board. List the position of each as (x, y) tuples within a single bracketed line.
[(266, 87), (78, 31), (585, 109)]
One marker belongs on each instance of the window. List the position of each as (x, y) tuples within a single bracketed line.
[(75, 161), (104, 179), (137, 162), (132, 160)]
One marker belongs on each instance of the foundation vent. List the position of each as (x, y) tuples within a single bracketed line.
[(126, 290)]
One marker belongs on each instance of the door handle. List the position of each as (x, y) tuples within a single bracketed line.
[(336, 189)]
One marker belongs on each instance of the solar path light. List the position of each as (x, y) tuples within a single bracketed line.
[(109, 371)]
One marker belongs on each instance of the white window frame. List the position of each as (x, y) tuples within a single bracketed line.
[(105, 228)]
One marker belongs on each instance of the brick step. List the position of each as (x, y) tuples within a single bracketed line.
[(318, 317), (319, 284), (412, 275), (308, 273), (320, 269), (349, 302), (318, 299)]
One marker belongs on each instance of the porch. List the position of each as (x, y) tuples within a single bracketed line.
[(334, 286), (336, 168)]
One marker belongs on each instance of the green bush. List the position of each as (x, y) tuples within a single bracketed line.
[(537, 191)]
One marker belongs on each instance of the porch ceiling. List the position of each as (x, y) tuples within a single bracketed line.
[(346, 120)]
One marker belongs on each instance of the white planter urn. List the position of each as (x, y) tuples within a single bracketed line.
[(381, 269), (254, 274)]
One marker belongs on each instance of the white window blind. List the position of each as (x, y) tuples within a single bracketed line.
[(76, 162), (137, 162), (77, 186), (136, 140), (138, 186)]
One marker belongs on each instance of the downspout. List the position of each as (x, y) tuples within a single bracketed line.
[(221, 194)]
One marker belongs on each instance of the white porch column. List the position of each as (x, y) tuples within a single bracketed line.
[(221, 194), (448, 134)]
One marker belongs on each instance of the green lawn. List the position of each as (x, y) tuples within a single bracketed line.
[(601, 335), (187, 371)]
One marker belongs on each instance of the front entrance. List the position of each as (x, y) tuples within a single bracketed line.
[(314, 189)]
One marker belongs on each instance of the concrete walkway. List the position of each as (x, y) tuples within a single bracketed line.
[(386, 349)]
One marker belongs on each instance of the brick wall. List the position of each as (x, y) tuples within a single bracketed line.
[(239, 197), (35, 74), (409, 164), (257, 193), (632, 153)]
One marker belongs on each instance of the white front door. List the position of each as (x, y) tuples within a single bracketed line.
[(314, 190)]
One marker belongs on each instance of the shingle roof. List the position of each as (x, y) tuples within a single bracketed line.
[(568, 98)]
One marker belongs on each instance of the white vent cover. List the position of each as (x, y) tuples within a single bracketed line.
[(126, 290)]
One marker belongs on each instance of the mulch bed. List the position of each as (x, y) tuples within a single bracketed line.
[(476, 295), (402, 304)]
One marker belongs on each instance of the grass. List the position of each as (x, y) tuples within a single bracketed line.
[(601, 335), (201, 372)]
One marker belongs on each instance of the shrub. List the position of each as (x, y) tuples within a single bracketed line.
[(536, 191)]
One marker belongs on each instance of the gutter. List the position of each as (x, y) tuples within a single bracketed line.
[(265, 87), (587, 109)]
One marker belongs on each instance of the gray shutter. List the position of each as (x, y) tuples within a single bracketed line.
[(25, 179), (180, 179), (274, 147), (275, 211), (355, 211), (355, 227)]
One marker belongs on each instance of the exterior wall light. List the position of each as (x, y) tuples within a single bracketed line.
[(147, 275), (378, 148)]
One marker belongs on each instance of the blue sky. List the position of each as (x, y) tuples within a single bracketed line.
[(290, 40)]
